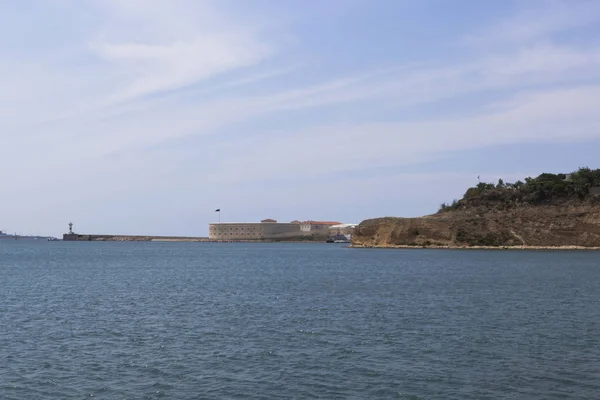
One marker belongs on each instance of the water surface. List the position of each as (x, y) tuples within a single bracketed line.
[(277, 321)]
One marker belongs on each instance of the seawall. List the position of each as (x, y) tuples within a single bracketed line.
[(147, 238), (130, 238)]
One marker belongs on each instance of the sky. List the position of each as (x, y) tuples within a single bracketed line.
[(144, 116)]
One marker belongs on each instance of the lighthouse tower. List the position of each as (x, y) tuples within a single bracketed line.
[(70, 235)]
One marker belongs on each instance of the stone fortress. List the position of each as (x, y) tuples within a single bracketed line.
[(270, 229)]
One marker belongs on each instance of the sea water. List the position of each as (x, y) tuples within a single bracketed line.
[(278, 321)]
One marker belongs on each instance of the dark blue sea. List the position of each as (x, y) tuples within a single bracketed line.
[(295, 321)]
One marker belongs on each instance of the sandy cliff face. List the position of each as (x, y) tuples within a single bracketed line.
[(544, 226)]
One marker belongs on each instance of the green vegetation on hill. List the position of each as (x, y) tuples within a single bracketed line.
[(544, 189)]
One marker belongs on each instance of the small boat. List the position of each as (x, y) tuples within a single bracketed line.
[(339, 238)]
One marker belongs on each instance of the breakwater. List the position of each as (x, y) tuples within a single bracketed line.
[(130, 238), (76, 237)]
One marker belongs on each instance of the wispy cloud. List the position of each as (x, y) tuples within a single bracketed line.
[(157, 95), (558, 115), (538, 20), (184, 42)]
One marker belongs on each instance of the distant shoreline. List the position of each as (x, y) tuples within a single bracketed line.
[(520, 248)]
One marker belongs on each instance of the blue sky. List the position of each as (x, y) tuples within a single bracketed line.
[(144, 116)]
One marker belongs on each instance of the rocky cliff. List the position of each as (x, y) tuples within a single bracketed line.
[(540, 226), (548, 211)]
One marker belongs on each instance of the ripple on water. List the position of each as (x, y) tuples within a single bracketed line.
[(180, 321)]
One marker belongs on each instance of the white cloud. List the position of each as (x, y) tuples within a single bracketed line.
[(183, 42), (104, 119), (542, 59), (56, 112), (537, 20), (558, 115)]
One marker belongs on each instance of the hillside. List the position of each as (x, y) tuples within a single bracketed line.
[(551, 210)]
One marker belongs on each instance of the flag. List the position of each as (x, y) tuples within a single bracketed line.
[(218, 210)]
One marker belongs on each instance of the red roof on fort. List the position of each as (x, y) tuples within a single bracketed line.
[(295, 222), (268, 220), (321, 223)]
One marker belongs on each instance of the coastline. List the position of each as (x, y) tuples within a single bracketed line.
[(448, 247)]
